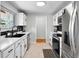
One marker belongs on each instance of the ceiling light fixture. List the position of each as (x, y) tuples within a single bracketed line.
[(40, 4)]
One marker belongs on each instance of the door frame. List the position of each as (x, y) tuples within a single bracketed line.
[(36, 27)]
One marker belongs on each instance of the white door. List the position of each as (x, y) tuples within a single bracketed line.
[(41, 22)]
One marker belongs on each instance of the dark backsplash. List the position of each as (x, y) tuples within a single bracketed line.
[(3, 33), (20, 28), (6, 32)]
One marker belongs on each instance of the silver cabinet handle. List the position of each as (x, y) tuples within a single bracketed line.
[(10, 51)]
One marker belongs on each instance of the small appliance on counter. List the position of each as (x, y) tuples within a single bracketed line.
[(21, 28)]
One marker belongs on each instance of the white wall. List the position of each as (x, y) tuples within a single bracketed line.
[(32, 27), (41, 22), (49, 25)]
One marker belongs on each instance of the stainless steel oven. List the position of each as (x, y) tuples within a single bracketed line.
[(56, 46)]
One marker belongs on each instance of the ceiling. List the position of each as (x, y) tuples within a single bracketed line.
[(51, 7)]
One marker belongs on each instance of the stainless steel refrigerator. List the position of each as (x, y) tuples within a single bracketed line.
[(70, 29)]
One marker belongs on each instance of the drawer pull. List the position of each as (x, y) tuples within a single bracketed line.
[(10, 51)]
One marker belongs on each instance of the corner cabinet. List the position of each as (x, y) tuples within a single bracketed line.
[(20, 19)]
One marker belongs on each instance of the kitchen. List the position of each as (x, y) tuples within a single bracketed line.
[(39, 29)]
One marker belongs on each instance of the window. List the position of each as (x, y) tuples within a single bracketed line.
[(6, 18)]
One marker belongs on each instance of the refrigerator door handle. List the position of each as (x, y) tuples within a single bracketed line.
[(72, 29)]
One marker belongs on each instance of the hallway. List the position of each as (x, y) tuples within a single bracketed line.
[(36, 50)]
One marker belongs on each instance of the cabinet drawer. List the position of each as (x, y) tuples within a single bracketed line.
[(17, 43), (8, 51)]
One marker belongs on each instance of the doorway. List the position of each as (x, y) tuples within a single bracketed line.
[(41, 29)]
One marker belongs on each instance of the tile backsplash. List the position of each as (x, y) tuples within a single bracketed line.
[(3, 33)]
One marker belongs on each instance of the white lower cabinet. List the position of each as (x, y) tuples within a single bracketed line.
[(50, 41), (28, 41), (22, 48), (18, 49), (25, 45), (9, 53), (18, 52)]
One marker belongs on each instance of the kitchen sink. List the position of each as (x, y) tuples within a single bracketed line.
[(17, 35)]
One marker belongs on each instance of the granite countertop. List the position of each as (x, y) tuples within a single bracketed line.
[(7, 42), (23, 33)]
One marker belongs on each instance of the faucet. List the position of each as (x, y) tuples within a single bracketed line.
[(12, 31)]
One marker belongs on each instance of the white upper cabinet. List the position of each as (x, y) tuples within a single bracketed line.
[(56, 20), (20, 19)]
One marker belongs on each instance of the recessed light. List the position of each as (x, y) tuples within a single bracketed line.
[(40, 4)]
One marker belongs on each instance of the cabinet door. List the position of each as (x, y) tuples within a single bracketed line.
[(11, 55), (8, 51), (22, 51), (20, 19), (25, 45), (25, 20), (18, 52), (28, 42), (55, 20)]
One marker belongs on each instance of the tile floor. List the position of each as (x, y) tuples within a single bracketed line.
[(36, 50)]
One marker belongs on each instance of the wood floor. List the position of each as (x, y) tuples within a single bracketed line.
[(40, 41), (36, 49)]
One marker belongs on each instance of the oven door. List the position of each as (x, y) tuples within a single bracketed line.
[(56, 46)]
